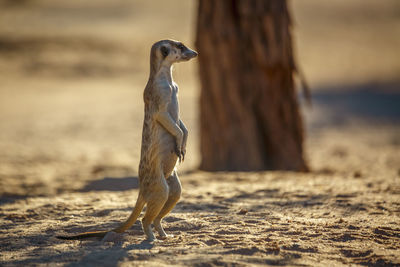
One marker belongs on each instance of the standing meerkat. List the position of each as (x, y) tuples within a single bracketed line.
[(163, 143)]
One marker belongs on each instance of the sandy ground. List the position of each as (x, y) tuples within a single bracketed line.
[(72, 75)]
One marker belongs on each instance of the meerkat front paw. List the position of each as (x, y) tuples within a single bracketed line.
[(183, 153), (183, 150), (178, 152)]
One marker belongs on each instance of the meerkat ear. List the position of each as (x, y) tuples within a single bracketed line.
[(164, 51)]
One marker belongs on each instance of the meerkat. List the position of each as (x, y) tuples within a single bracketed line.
[(164, 139)]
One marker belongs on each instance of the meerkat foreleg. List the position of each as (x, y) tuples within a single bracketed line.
[(174, 195), (173, 128), (185, 136)]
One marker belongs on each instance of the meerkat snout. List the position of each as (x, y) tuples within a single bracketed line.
[(187, 53)]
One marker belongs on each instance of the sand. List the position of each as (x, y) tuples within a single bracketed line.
[(71, 113), (277, 218)]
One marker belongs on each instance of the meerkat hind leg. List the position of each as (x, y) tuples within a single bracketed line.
[(173, 197), (155, 203)]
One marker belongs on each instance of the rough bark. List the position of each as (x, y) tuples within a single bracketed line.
[(249, 117)]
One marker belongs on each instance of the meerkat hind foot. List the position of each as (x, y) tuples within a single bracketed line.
[(166, 236), (151, 238), (162, 235), (148, 232), (160, 229)]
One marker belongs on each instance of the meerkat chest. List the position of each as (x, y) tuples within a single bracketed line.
[(167, 91), (173, 107)]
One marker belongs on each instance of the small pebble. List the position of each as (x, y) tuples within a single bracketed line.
[(112, 237), (242, 211)]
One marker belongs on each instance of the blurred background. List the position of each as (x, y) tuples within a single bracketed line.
[(72, 75)]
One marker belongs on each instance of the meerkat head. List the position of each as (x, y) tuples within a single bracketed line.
[(173, 51)]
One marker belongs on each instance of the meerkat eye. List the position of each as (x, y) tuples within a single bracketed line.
[(181, 47)]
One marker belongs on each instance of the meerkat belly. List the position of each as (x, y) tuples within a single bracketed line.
[(167, 152)]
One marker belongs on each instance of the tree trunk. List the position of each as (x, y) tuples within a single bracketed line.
[(250, 118)]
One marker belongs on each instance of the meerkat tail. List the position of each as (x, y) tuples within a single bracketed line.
[(131, 220), (99, 234), (134, 215)]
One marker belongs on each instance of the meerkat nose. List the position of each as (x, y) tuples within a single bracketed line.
[(192, 54)]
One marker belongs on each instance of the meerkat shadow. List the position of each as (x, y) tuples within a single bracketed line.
[(112, 184)]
